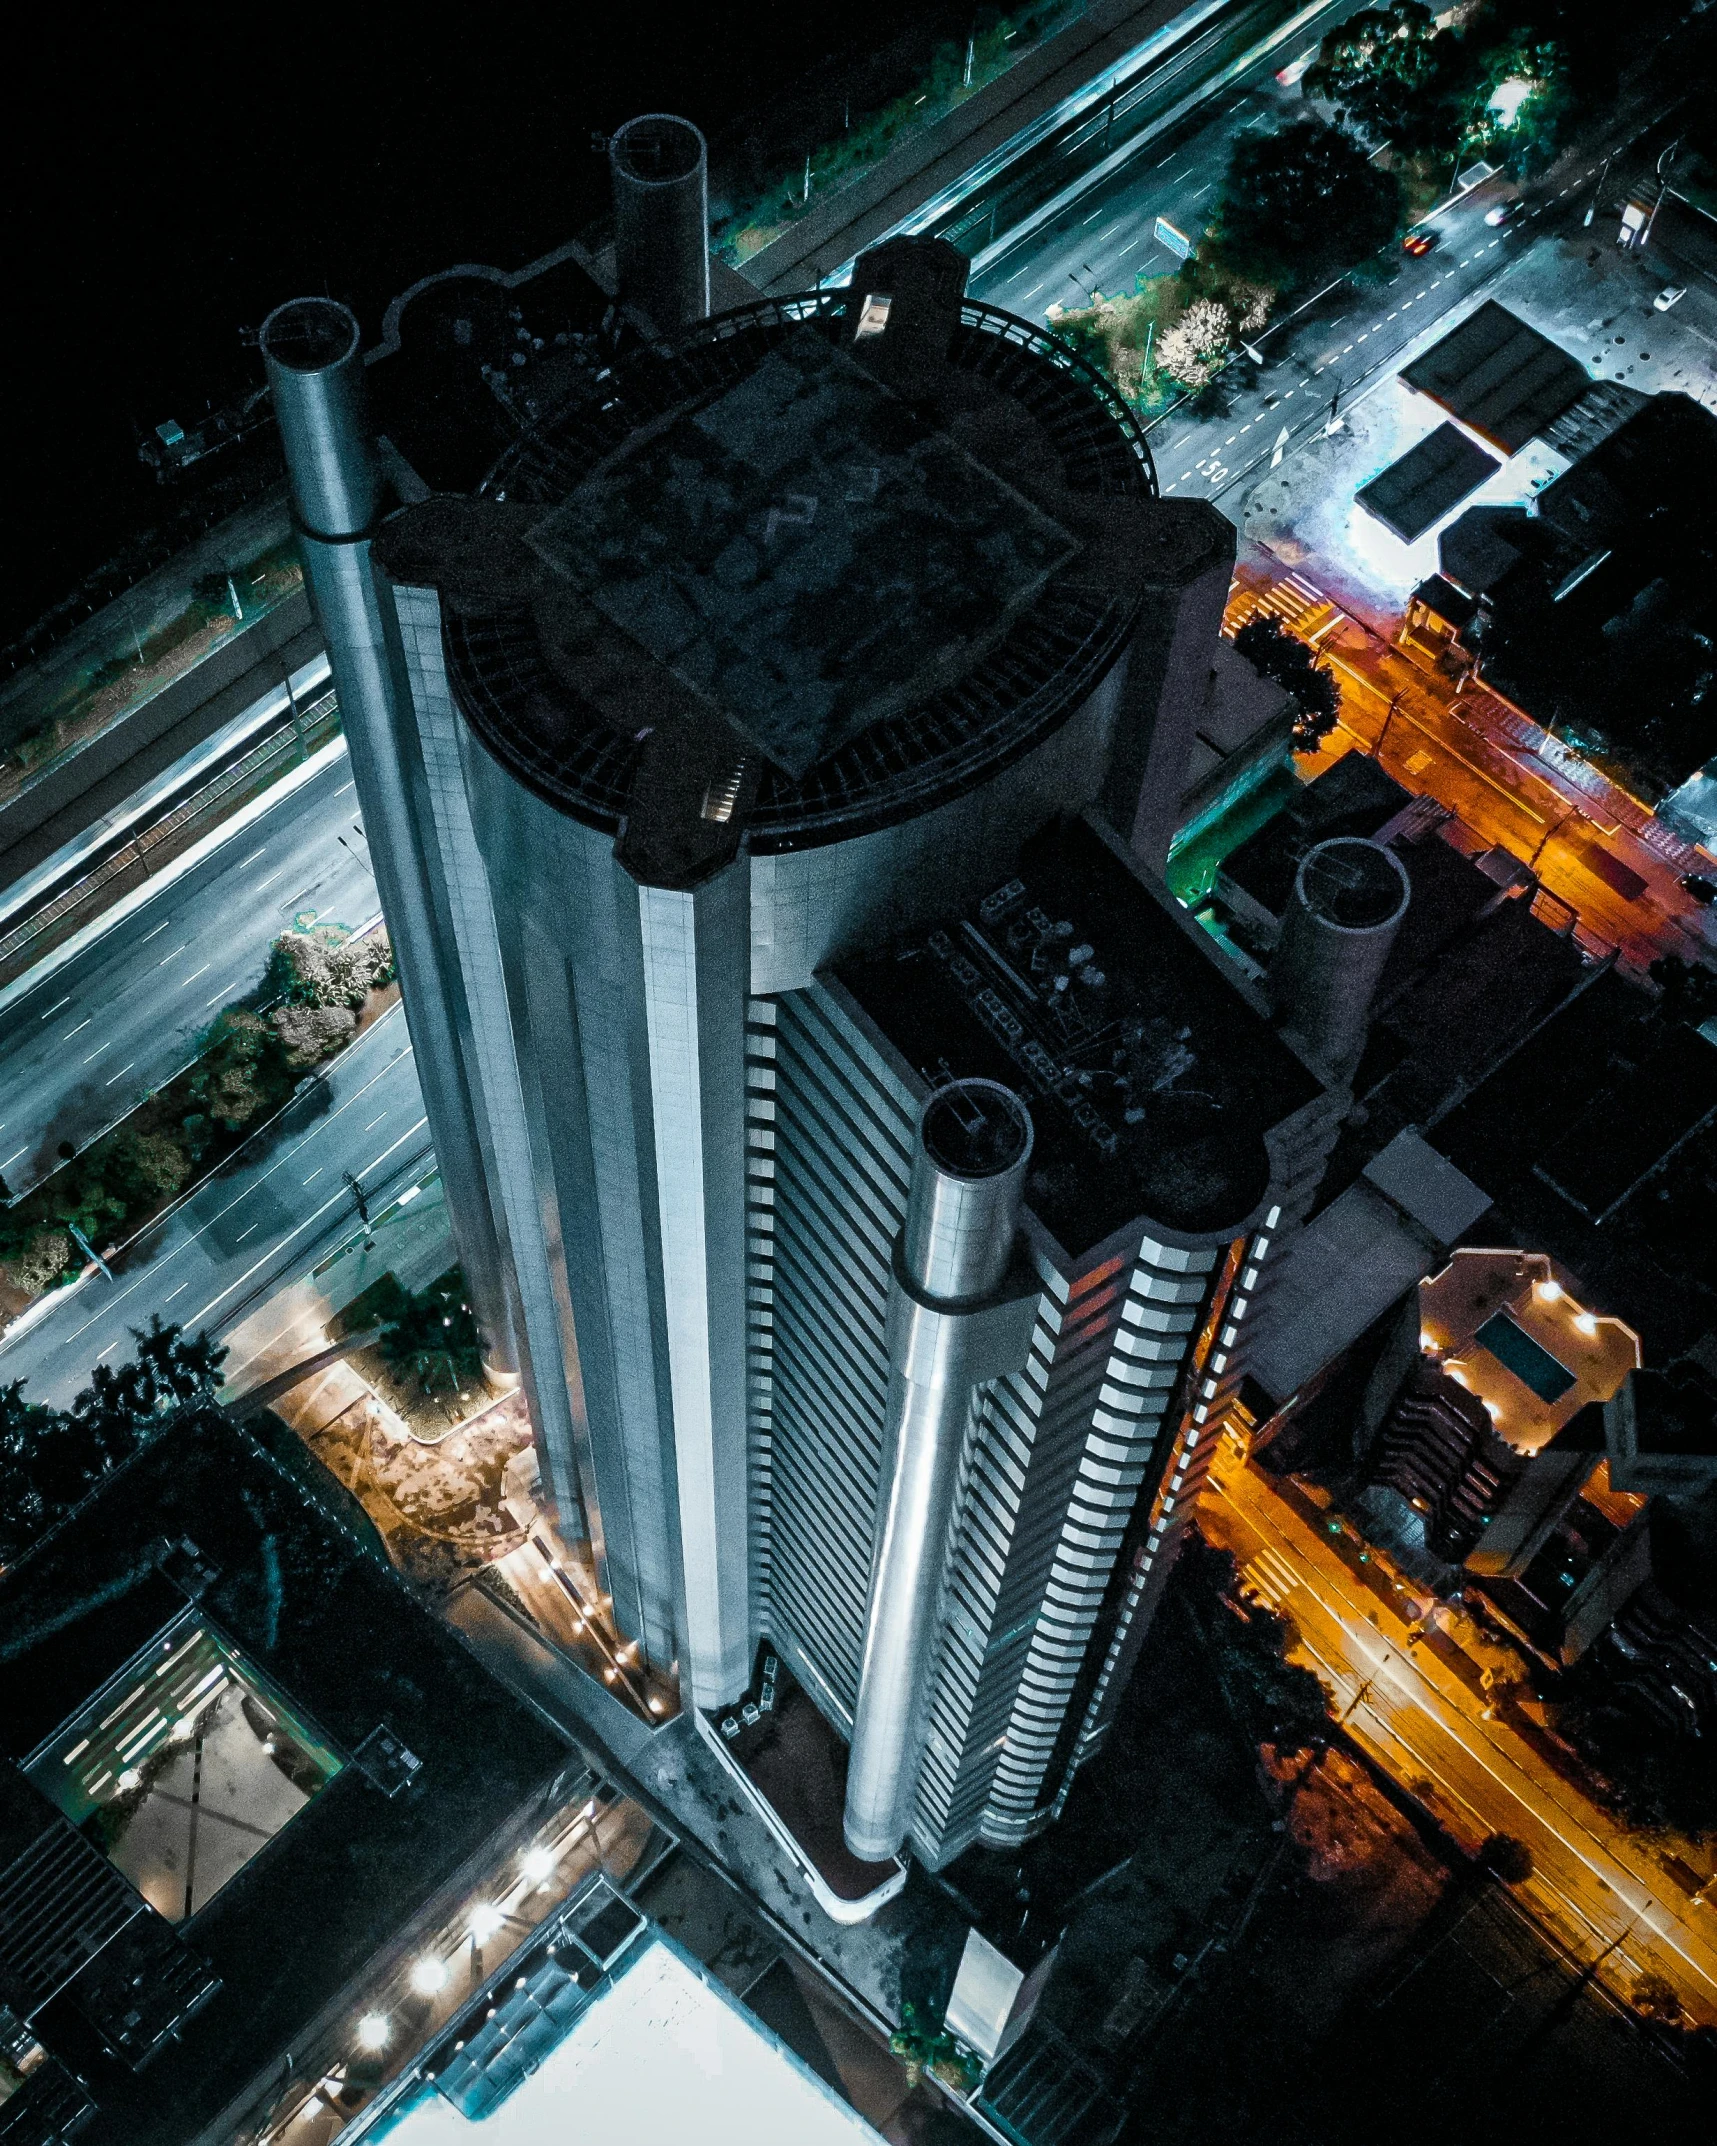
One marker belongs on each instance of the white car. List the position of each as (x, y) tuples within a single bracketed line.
[(1504, 212), (1667, 298)]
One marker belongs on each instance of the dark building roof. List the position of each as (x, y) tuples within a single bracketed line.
[(1416, 492), (1473, 969), (1355, 797), (1635, 1086), (1661, 463), (1502, 379), (1151, 1080), (1479, 547), (330, 1627), (838, 577)]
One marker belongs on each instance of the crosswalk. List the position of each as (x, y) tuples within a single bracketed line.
[(1300, 607), (1270, 1577)]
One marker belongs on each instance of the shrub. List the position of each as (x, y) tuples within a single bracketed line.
[(40, 1261), (325, 966), (230, 1084), (1196, 348), (146, 1167), (312, 1033)]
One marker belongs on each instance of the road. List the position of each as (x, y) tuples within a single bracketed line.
[(1594, 849), (116, 1012), (259, 1224), (1598, 1887), (1323, 353)]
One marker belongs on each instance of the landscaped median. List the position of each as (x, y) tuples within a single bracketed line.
[(320, 989)]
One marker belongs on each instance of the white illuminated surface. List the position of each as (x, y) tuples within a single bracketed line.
[(661, 2058)]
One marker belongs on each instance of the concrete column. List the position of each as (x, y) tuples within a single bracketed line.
[(1186, 566), (660, 169), (311, 349), (950, 1329), (695, 949), (1348, 901)]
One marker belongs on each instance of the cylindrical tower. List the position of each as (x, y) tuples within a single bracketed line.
[(311, 348), (753, 659), (660, 167), (968, 1176), (1348, 901)]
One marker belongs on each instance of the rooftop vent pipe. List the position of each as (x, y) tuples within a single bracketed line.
[(661, 219), (950, 1329), (1348, 901)]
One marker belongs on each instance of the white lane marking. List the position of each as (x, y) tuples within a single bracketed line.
[(55, 1007), (1032, 293), (254, 855), (315, 1174), (173, 956), (244, 1233), (96, 1053), (341, 791), (7, 1164), (179, 1292), (374, 1122), (155, 934), (219, 995), (120, 1075), (78, 1031), (195, 973), (1127, 248), (269, 881)]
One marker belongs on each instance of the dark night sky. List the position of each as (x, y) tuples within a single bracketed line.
[(174, 173)]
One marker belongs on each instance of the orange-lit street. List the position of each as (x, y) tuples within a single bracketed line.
[(1622, 1905), (1607, 867)]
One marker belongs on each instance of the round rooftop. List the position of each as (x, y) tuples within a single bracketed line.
[(309, 334), (1352, 884), (976, 1129), (657, 149), (880, 616)]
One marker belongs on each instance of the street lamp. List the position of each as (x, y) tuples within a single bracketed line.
[(373, 2031), (429, 1976)]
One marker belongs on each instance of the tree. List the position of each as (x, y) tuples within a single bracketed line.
[(1689, 989), (1279, 655), (431, 1337), (1393, 76), (1285, 1705), (49, 1458), (230, 1084), (1302, 204), (1523, 98), (1196, 348), (326, 966), (1506, 1859)]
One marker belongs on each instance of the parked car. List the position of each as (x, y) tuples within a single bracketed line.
[(1703, 890), (1420, 242), (1670, 297), (1505, 212)]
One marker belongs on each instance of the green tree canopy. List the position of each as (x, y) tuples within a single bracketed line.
[(1393, 76), (1301, 205)]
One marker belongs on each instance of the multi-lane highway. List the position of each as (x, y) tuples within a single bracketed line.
[(1604, 1891), (117, 1011), (259, 1224)]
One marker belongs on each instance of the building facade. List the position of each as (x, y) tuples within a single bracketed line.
[(770, 652)]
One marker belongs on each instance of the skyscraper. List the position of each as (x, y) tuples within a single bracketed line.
[(872, 1166)]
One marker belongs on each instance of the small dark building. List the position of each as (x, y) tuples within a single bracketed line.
[(240, 1769)]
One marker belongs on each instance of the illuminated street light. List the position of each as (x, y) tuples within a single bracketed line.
[(539, 1864), (486, 1919), (373, 2031), (429, 1976)]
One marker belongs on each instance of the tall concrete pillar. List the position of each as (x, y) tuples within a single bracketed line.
[(311, 348), (1348, 901), (660, 169), (1186, 564), (950, 1329)]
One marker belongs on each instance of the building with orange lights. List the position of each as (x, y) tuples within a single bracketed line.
[(1498, 1421)]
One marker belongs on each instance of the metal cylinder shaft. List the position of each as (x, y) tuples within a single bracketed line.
[(660, 168), (1348, 901), (311, 347), (312, 351), (968, 1177)]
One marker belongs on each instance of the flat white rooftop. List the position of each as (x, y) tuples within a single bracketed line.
[(661, 2057)]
